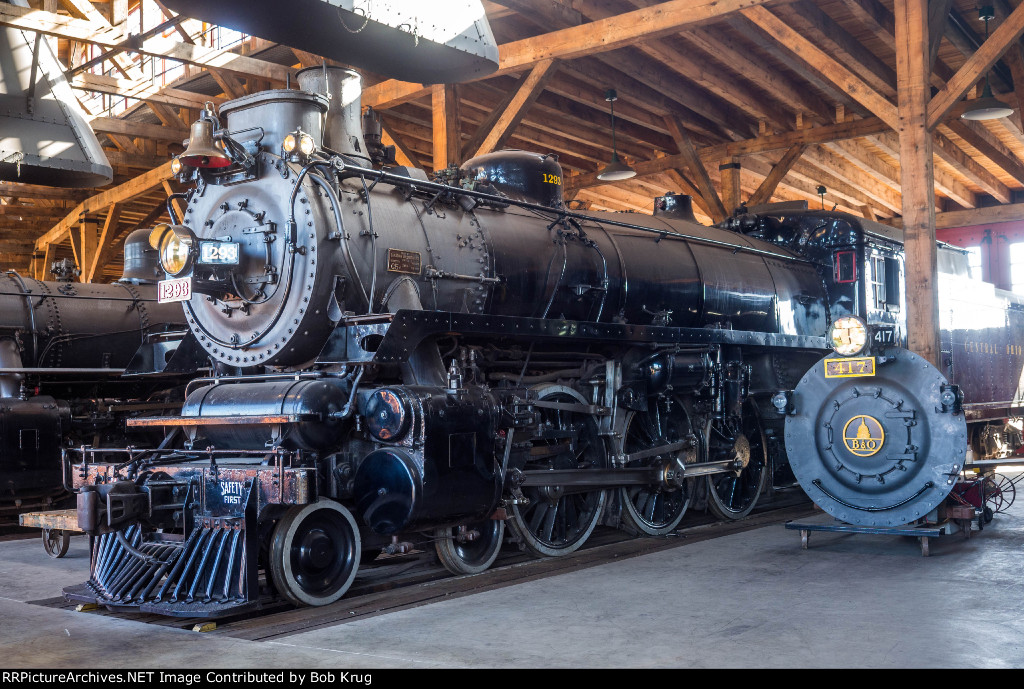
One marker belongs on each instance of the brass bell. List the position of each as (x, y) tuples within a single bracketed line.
[(202, 150)]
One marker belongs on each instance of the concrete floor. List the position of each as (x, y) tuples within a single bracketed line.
[(749, 600)]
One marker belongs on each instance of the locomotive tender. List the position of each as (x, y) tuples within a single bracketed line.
[(411, 361)]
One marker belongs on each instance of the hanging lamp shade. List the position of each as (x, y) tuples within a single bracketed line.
[(616, 170), (987, 107)]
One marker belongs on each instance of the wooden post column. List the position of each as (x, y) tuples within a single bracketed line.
[(446, 126), (730, 170), (917, 177)]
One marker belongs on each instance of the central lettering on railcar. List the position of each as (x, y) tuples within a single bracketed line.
[(863, 435)]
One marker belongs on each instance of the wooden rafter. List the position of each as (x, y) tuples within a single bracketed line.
[(590, 38), (766, 189), (844, 79), (493, 133), (699, 173), (95, 204)]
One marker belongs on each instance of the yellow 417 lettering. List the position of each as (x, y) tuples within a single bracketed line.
[(850, 368)]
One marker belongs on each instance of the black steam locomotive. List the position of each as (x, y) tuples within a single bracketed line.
[(63, 348), (412, 361)]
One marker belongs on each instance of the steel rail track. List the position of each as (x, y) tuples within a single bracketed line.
[(399, 582)]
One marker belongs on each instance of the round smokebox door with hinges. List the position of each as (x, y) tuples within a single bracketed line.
[(881, 449)]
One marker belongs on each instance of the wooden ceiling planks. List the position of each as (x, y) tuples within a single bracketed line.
[(717, 68)]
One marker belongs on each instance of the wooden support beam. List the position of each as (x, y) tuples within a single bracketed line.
[(916, 181), (89, 233), (989, 146), (590, 38), (88, 11), (144, 90), (729, 170), (1015, 61), (722, 47), (170, 118), (133, 160), (841, 45), (685, 186), (546, 13), (95, 204), (938, 12), (764, 192), (990, 215), (444, 104), (403, 152), (495, 131), (844, 79), (638, 102), (112, 125), (101, 255), (762, 144), (36, 191), (48, 256), (879, 193), (699, 173), (229, 84), (975, 66), (859, 156), (968, 167), (177, 27)]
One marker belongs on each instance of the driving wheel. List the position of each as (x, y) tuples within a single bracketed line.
[(559, 519)]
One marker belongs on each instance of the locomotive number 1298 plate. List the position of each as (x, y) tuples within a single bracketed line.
[(850, 368), (179, 289)]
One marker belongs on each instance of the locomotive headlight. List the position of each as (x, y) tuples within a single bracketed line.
[(176, 165), (175, 245), (299, 142), (849, 336)]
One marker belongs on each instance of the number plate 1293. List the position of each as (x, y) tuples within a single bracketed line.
[(179, 289)]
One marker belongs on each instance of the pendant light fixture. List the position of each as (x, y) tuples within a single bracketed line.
[(615, 170), (988, 107)]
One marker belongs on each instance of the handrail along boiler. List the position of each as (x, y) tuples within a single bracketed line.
[(409, 361)]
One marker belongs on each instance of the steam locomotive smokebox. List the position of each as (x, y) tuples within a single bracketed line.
[(675, 206), (278, 113), (343, 127), (520, 175), (451, 477), (876, 449), (141, 263)]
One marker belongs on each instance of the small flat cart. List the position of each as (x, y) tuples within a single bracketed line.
[(57, 526), (958, 521)]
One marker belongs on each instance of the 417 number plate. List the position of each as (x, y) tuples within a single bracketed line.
[(179, 289), (850, 368)]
